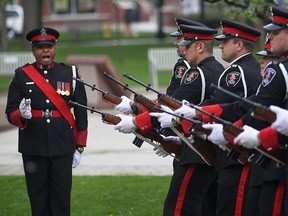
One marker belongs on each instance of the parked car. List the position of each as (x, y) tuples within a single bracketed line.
[(14, 20)]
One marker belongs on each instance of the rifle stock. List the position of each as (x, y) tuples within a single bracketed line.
[(203, 148), (170, 147), (260, 112)]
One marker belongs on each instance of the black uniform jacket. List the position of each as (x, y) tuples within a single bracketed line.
[(271, 92), (195, 91), (242, 78), (47, 136)]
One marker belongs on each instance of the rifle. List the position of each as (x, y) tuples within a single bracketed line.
[(242, 155), (162, 98), (105, 95), (114, 100), (233, 130), (169, 147), (204, 148), (144, 101), (260, 111)]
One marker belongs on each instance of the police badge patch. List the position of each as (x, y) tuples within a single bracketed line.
[(232, 78), (191, 76), (179, 71), (268, 76)]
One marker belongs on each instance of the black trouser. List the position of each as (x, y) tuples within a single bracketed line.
[(252, 204), (233, 186), (271, 200), (49, 182), (188, 187)]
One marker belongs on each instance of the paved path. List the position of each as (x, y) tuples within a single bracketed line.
[(108, 152)]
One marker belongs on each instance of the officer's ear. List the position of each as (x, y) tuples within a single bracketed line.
[(201, 46), (239, 45)]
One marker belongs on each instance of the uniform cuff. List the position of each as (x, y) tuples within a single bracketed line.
[(144, 123), (216, 110), (185, 126), (268, 138), (81, 138), (15, 119)]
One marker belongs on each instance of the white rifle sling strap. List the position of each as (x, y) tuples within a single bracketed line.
[(203, 85), (74, 75), (284, 72)]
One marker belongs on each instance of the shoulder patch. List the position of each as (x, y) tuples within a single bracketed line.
[(268, 76), (232, 78), (179, 69), (191, 76), (179, 72)]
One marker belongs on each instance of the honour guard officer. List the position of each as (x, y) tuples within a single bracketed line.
[(181, 65), (191, 177), (266, 56), (267, 185), (51, 138), (242, 76)]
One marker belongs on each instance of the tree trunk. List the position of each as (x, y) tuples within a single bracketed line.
[(32, 17), (3, 31)]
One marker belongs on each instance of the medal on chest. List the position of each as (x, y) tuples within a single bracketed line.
[(63, 88)]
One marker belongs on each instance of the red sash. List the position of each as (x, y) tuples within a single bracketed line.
[(50, 92)]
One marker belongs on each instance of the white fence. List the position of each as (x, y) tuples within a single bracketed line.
[(164, 59), (9, 61)]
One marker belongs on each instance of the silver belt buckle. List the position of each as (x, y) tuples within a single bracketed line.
[(47, 113)]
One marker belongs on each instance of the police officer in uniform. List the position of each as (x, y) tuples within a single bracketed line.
[(267, 184), (265, 56), (192, 176), (242, 76), (51, 138)]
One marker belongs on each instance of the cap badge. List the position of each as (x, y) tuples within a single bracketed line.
[(43, 33)]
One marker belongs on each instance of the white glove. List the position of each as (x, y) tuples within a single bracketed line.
[(126, 124), (175, 139), (166, 120), (25, 108), (160, 151), (76, 159), (248, 138), (216, 136), (281, 123), (186, 110), (124, 107)]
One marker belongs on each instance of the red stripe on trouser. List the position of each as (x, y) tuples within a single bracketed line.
[(183, 189), (279, 198), (241, 189)]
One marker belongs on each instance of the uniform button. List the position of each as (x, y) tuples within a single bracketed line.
[(270, 149), (30, 90), (47, 80), (47, 101), (45, 71), (48, 121)]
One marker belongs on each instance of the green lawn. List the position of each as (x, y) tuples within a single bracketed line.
[(95, 195)]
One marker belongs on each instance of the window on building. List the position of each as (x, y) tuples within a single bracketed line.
[(74, 6)]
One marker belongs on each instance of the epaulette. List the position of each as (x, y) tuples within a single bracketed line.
[(62, 63), (180, 60), (279, 60), (24, 65)]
